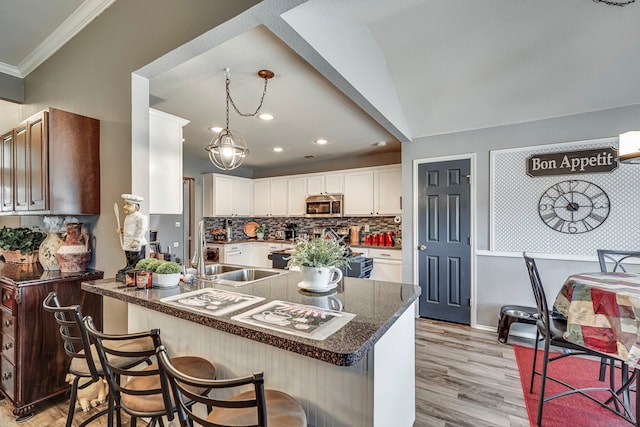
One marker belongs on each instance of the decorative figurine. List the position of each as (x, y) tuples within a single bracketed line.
[(133, 234)]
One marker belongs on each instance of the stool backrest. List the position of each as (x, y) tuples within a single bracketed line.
[(182, 386), (113, 348), (612, 260), (73, 332)]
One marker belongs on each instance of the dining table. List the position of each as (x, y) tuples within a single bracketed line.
[(602, 310)]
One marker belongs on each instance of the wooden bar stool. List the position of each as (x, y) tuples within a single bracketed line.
[(256, 407)]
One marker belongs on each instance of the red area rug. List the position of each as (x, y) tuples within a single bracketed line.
[(572, 410)]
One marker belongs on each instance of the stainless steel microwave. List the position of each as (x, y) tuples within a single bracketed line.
[(324, 205)]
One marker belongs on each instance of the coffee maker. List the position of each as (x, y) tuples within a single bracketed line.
[(290, 232)]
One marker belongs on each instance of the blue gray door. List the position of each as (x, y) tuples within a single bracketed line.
[(444, 249)]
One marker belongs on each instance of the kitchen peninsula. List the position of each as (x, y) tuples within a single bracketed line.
[(358, 373)]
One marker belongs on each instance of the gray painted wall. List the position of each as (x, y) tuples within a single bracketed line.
[(11, 88), (91, 75), (501, 278)]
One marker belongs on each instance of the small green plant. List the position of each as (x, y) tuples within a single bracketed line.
[(168, 267), (319, 252), (262, 229), (21, 239), (143, 264)]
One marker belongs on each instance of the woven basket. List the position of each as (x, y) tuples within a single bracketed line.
[(17, 258)]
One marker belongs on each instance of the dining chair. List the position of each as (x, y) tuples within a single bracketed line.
[(255, 407), (552, 330), (85, 364), (142, 394), (617, 261)]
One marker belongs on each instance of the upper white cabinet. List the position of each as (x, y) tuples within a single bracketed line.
[(225, 195), (165, 162), (296, 194), (331, 183), (374, 191), (270, 197), (358, 193), (387, 196)]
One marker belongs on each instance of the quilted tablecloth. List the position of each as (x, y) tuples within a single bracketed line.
[(602, 311)]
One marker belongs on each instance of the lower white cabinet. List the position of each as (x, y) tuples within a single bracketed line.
[(237, 253), (387, 265)]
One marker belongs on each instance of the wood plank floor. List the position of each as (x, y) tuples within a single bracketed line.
[(464, 377)]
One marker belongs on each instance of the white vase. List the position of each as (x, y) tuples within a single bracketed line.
[(48, 249), (260, 236), (166, 280), (320, 279)]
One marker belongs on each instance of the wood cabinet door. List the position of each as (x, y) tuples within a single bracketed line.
[(6, 176), (38, 163), (21, 167)]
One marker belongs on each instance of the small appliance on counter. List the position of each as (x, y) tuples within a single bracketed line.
[(290, 232)]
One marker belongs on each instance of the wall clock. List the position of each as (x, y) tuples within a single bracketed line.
[(574, 206)]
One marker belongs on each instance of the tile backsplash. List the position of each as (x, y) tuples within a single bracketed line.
[(377, 224)]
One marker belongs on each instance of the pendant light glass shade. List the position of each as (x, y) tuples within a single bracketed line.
[(227, 151)]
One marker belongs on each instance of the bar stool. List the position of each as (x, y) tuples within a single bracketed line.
[(510, 314), (257, 407), (143, 394)]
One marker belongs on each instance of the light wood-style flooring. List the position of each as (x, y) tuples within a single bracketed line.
[(464, 377)]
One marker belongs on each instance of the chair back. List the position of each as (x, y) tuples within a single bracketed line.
[(112, 349), (74, 335), (617, 260), (182, 386), (538, 293)]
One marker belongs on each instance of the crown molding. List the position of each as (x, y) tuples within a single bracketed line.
[(79, 19), (10, 70)]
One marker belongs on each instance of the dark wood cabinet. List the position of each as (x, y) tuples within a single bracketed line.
[(51, 165), (33, 361)]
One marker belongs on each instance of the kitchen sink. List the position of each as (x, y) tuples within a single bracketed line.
[(236, 275)]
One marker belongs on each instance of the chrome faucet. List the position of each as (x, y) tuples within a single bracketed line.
[(197, 261)]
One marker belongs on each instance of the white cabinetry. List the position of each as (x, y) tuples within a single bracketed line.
[(358, 193), (237, 253), (270, 197), (371, 192), (296, 194), (225, 195), (332, 183), (165, 162), (387, 265), (388, 191)]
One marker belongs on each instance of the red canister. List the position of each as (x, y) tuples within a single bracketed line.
[(374, 240)]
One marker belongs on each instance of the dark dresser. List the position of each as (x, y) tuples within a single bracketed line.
[(33, 361)]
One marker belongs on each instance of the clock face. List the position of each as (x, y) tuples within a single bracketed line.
[(574, 206)]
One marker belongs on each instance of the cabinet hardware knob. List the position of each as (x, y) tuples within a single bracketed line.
[(6, 376), (7, 346), (8, 323)]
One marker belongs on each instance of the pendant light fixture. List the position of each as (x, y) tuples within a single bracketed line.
[(228, 150)]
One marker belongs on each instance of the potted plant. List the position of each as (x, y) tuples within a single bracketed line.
[(319, 260), (20, 245), (261, 230), (167, 273)]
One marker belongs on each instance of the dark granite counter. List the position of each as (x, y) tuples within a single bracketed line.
[(376, 305), (30, 274), (291, 242)]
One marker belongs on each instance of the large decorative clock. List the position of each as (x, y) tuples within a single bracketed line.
[(574, 206)]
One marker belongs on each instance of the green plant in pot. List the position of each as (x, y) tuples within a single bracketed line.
[(165, 273), (319, 260), (20, 245), (261, 231)]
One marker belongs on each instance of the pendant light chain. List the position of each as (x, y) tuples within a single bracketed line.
[(229, 99)]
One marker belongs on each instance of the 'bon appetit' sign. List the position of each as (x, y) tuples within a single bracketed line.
[(573, 162)]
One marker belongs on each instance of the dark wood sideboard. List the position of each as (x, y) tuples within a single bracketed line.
[(33, 361)]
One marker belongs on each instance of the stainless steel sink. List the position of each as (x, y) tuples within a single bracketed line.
[(235, 275)]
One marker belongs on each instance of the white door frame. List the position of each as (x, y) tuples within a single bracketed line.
[(472, 247)]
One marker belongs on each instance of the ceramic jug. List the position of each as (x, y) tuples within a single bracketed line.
[(74, 255), (48, 249)]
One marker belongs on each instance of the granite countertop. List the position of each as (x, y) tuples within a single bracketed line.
[(290, 242), (28, 274), (376, 305)]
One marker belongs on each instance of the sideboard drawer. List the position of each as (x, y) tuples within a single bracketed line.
[(8, 324), (7, 298), (7, 377), (8, 348)]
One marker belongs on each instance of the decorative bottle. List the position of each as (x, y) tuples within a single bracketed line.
[(48, 249), (74, 255)]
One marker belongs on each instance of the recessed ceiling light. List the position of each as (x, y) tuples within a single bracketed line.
[(321, 141), (278, 149), (215, 129), (265, 116), (381, 143)]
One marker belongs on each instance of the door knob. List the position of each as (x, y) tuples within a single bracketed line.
[(422, 247)]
